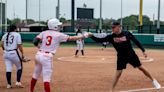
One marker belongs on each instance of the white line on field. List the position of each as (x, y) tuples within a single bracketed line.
[(102, 58), (137, 90)]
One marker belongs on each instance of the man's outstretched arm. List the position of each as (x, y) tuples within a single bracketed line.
[(100, 40)]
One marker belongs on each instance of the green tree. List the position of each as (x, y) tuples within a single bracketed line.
[(146, 20), (16, 21), (30, 21), (132, 21), (8, 21), (63, 20)]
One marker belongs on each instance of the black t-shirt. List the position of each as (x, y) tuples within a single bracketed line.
[(121, 42)]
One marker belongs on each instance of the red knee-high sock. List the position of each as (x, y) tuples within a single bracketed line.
[(33, 82), (47, 86)]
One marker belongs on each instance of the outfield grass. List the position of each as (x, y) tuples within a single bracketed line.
[(90, 45), (30, 44)]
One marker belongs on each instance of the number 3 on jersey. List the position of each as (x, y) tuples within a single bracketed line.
[(49, 40), (11, 39)]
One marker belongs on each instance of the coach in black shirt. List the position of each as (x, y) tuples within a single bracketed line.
[(121, 41)]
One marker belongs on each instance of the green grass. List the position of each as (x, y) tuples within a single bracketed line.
[(30, 44), (90, 45)]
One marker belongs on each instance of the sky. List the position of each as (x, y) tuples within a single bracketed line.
[(110, 8)]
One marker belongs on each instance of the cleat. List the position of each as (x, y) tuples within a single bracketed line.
[(19, 85), (156, 84), (9, 86)]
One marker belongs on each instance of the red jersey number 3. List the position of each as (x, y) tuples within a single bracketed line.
[(49, 40)]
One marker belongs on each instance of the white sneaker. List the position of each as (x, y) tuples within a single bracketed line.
[(156, 84), (19, 85), (9, 86)]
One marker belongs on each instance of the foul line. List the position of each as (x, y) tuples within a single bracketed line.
[(137, 90)]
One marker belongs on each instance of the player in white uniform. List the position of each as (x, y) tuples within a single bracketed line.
[(104, 44), (47, 48), (11, 42), (79, 43)]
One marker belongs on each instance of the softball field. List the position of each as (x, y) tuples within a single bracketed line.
[(92, 73)]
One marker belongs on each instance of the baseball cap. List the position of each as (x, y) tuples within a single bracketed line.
[(114, 24)]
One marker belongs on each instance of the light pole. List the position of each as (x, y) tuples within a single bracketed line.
[(1, 17), (140, 16), (39, 11), (121, 12), (26, 11), (58, 10), (6, 15), (100, 20), (153, 19), (72, 15), (158, 22)]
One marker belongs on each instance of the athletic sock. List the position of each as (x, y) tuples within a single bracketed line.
[(47, 86), (33, 82), (8, 77), (105, 46), (19, 74), (82, 52), (76, 52)]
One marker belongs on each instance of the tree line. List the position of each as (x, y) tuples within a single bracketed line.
[(130, 21)]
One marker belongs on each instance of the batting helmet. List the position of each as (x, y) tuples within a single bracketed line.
[(54, 24)]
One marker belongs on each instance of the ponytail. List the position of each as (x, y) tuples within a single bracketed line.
[(11, 29), (7, 37), (78, 31)]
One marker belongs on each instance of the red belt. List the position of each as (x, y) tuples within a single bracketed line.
[(46, 52)]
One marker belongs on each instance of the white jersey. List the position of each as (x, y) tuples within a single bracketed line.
[(13, 40), (80, 40), (51, 40)]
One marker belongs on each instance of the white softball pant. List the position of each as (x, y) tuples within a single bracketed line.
[(80, 46), (10, 58), (43, 64)]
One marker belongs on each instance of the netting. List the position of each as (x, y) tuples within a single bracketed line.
[(41, 10)]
